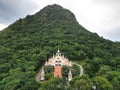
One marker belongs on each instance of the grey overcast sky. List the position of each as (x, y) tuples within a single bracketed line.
[(100, 16)]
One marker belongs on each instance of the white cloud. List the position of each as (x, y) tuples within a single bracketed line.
[(2, 26), (11, 10)]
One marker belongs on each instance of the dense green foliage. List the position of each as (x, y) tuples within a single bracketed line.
[(49, 70), (28, 43), (53, 84)]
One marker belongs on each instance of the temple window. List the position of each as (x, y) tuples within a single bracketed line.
[(59, 61), (57, 64)]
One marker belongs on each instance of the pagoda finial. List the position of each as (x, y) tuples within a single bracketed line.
[(58, 50)]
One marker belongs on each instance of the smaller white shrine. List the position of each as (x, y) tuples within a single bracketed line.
[(70, 76), (42, 75)]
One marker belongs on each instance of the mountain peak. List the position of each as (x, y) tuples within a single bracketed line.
[(55, 6), (56, 12)]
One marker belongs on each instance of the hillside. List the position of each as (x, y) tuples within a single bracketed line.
[(27, 43)]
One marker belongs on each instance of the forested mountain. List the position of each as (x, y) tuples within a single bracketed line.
[(27, 43)]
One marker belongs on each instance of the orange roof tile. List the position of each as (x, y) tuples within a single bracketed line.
[(57, 71)]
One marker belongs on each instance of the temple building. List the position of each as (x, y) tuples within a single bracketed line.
[(58, 60)]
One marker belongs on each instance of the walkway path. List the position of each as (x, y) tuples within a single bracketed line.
[(81, 68)]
